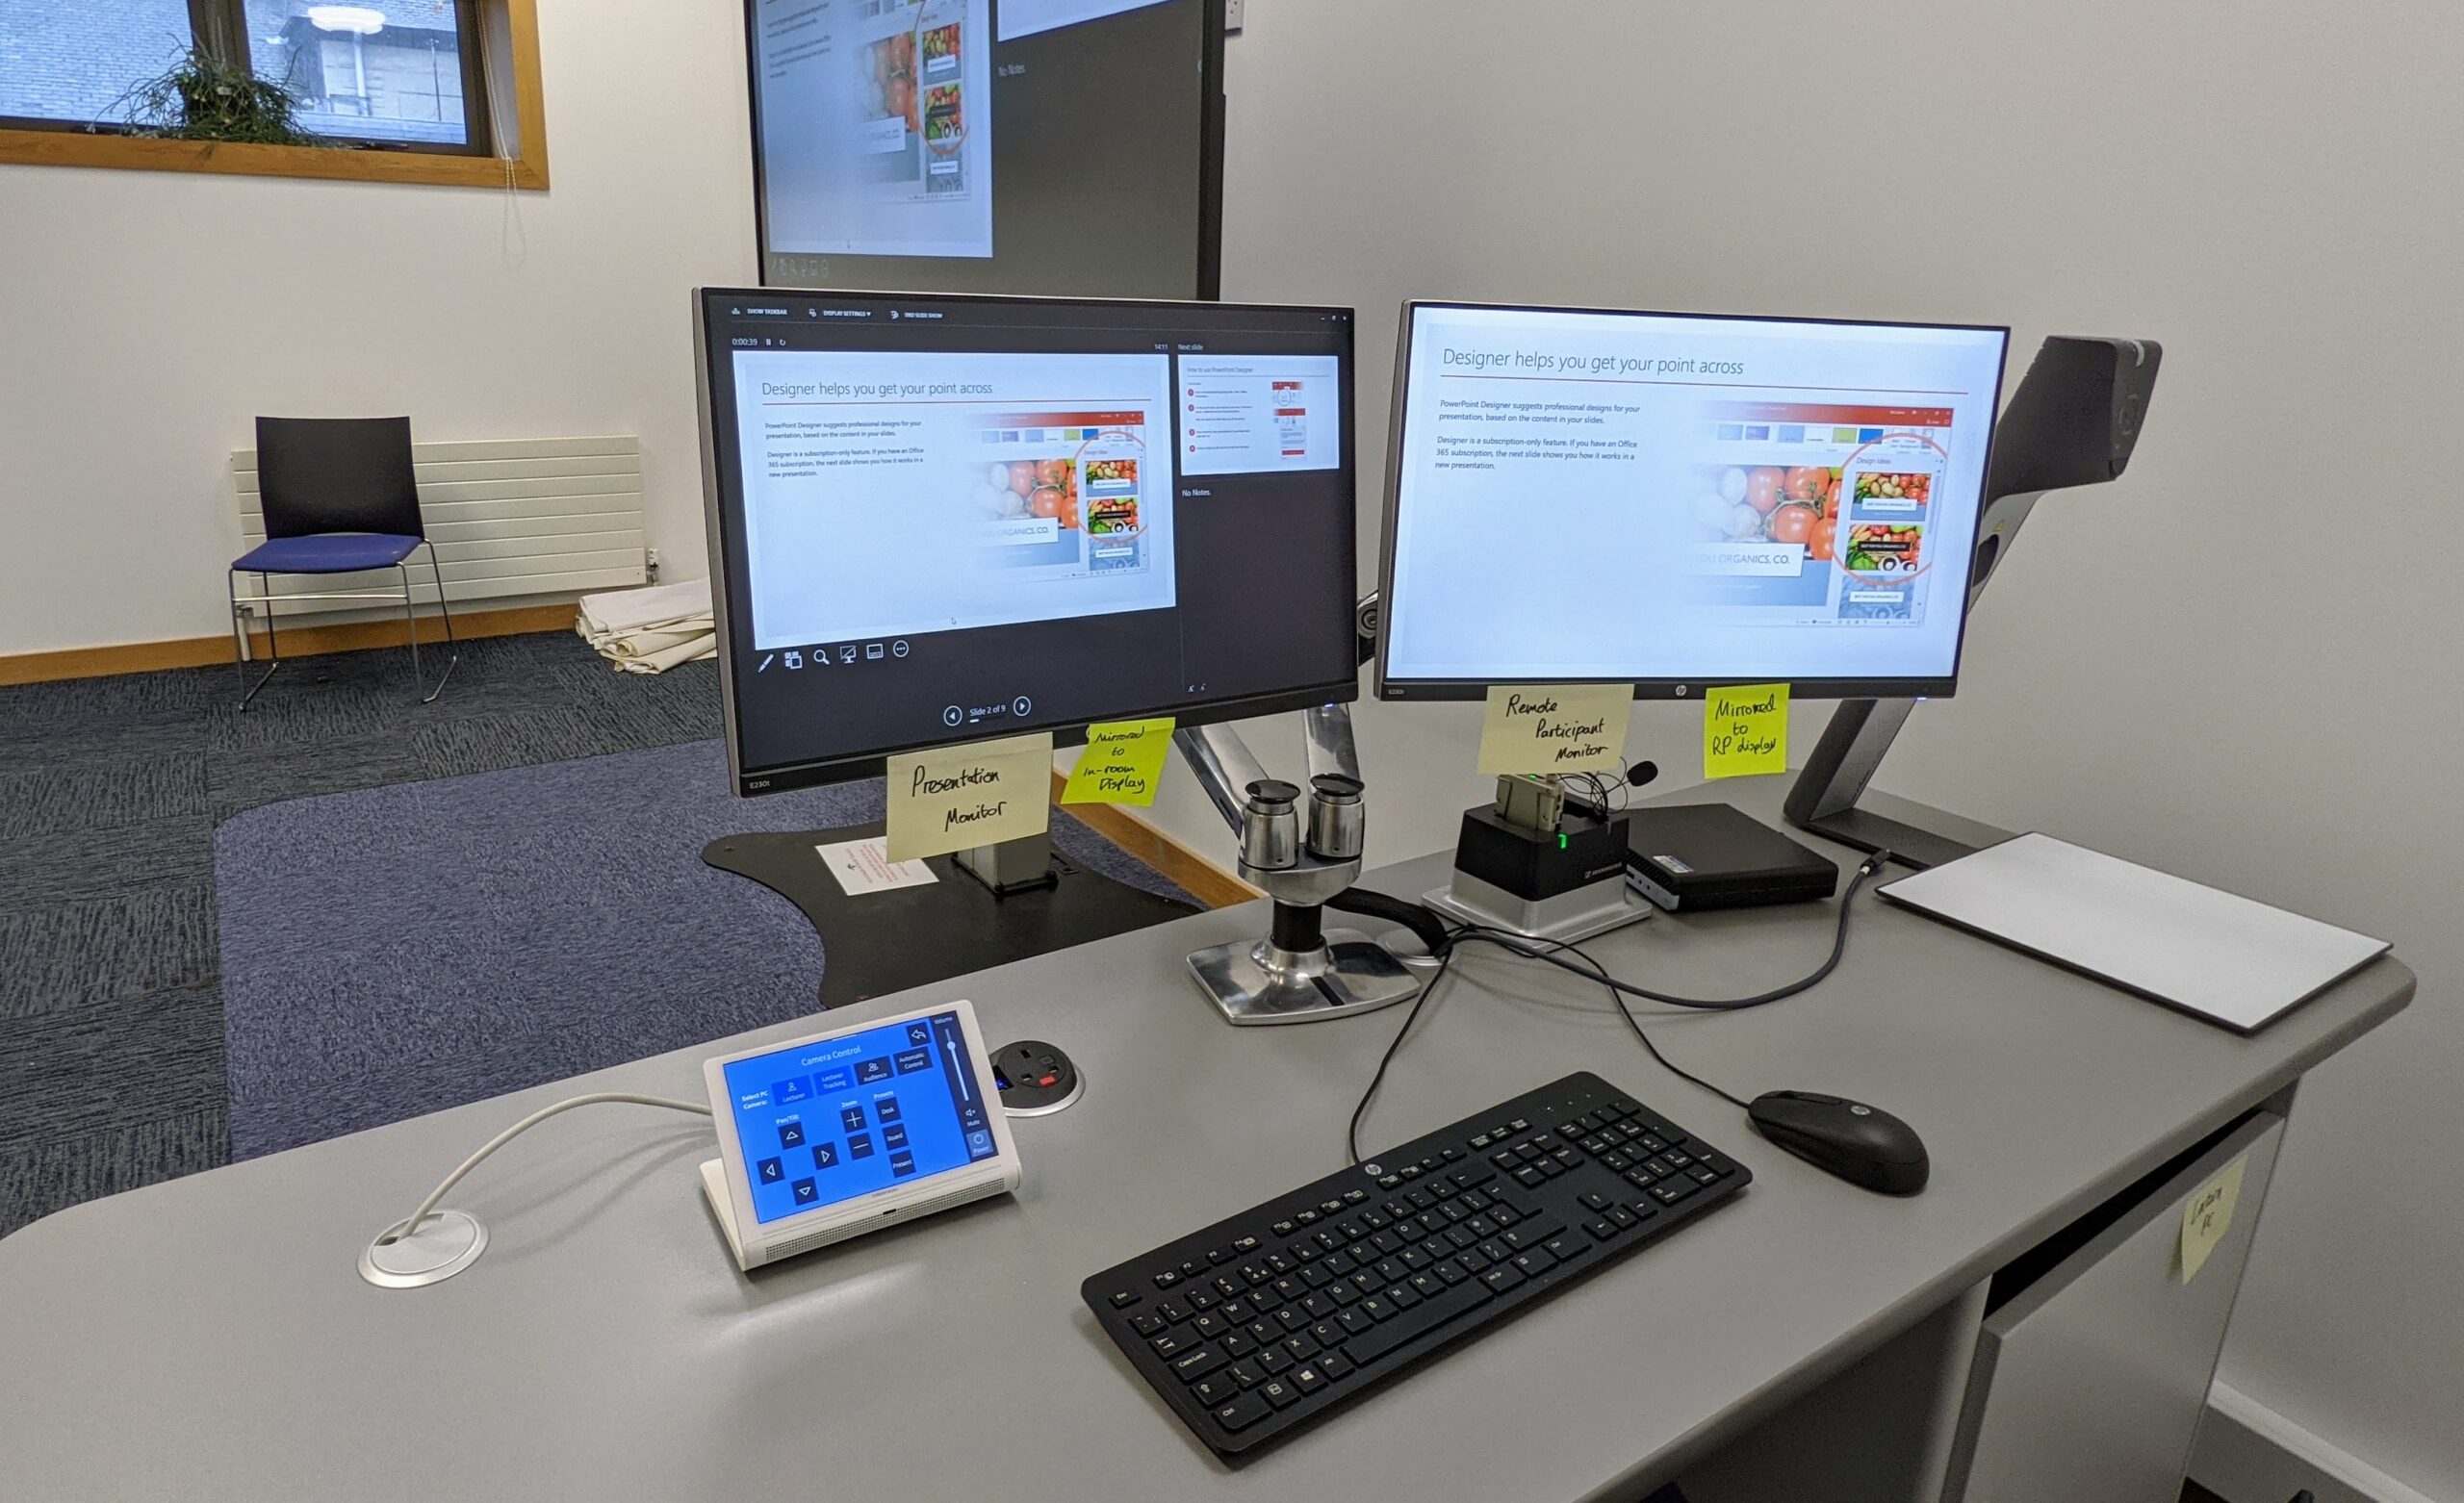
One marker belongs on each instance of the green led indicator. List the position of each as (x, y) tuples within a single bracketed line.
[(1562, 840)]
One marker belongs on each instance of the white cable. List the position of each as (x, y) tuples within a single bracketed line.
[(698, 1108)]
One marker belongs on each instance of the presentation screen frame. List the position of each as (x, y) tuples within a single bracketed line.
[(728, 563), (913, 274), (1388, 686)]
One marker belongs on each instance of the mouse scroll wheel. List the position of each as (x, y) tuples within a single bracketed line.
[(1860, 1112)]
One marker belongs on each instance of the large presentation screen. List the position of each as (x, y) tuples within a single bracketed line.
[(948, 519), (1029, 146), (1676, 501)]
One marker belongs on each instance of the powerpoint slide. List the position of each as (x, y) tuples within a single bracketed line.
[(1703, 482), (897, 494), (877, 135), (1026, 18), (1258, 414)]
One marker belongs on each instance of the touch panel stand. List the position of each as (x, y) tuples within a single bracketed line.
[(2073, 422)]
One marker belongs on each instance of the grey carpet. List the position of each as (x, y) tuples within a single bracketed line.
[(110, 789), (399, 950)]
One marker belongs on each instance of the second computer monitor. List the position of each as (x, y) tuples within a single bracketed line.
[(945, 518), (1681, 501)]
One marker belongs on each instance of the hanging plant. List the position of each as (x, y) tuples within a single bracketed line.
[(205, 98)]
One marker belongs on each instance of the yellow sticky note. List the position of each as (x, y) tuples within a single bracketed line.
[(1555, 728), (1745, 731), (2208, 1216), (958, 798), (1121, 763)]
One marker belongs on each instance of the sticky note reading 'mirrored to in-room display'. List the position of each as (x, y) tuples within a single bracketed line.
[(957, 798), (1121, 764)]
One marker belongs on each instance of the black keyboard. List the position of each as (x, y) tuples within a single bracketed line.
[(1267, 1320)]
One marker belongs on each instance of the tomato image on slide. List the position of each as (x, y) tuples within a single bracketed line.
[(1885, 548)]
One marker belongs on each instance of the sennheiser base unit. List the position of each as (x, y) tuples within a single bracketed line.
[(1539, 865)]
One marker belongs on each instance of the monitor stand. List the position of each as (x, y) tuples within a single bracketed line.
[(2073, 422), (1033, 902)]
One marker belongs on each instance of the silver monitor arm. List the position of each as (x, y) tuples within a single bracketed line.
[(1301, 847)]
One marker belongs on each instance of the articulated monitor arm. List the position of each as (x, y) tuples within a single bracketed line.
[(2073, 422), (1301, 847)]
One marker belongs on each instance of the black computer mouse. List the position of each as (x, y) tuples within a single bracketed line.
[(1864, 1145)]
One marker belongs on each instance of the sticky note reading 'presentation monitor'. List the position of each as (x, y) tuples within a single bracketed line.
[(1121, 763), (1555, 729), (1745, 731), (957, 798)]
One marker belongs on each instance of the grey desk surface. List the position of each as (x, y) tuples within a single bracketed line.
[(209, 1339)]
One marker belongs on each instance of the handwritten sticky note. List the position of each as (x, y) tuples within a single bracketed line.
[(957, 798), (1121, 764), (1555, 728), (1745, 731), (2208, 1216)]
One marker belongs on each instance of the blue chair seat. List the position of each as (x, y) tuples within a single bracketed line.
[(327, 553)]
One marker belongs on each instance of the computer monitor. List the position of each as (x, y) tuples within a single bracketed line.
[(1065, 147), (1679, 500), (939, 519)]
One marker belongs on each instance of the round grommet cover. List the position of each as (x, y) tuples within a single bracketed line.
[(1035, 1078)]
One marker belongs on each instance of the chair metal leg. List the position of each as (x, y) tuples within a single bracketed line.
[(453, 653), (240, 638)]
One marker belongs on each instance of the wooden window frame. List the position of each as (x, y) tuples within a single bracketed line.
[(510, 34)]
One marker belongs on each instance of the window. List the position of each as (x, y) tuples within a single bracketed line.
[(394, 75)]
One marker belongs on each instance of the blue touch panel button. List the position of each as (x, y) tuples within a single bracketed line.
[(868, 1071), (893, 1138), (902, 1164), (825, 1155), (851, 1118), (919, 1032), (911, 1060), (887, 1108), (793, 1089), (805, 1193), (859, 1146), (792, 1135), (833, 1080), (771, 1171)]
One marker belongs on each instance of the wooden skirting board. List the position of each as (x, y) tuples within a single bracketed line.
[(139, 658), (1203, 879)]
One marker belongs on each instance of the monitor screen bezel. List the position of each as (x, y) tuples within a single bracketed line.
[(727, 559), (1207, 274), (1386, 687)]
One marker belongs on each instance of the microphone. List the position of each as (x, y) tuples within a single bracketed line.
[(1642, 772)]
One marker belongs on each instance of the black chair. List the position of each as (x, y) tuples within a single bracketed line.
[(339, 496)]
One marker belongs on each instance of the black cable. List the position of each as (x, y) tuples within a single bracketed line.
[(1351, 1133), (1554, 953)]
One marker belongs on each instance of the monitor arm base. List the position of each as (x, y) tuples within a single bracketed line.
[(1300, 972)]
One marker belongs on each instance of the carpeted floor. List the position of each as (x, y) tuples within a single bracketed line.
[(404, 949), (111, 1069)]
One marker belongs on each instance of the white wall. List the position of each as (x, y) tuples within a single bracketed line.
[(145, 318), (2235, 664), (2206, 667)]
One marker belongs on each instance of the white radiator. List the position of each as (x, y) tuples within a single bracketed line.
[(509, 516)]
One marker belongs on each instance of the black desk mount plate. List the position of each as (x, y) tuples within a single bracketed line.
[(887, 942)]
